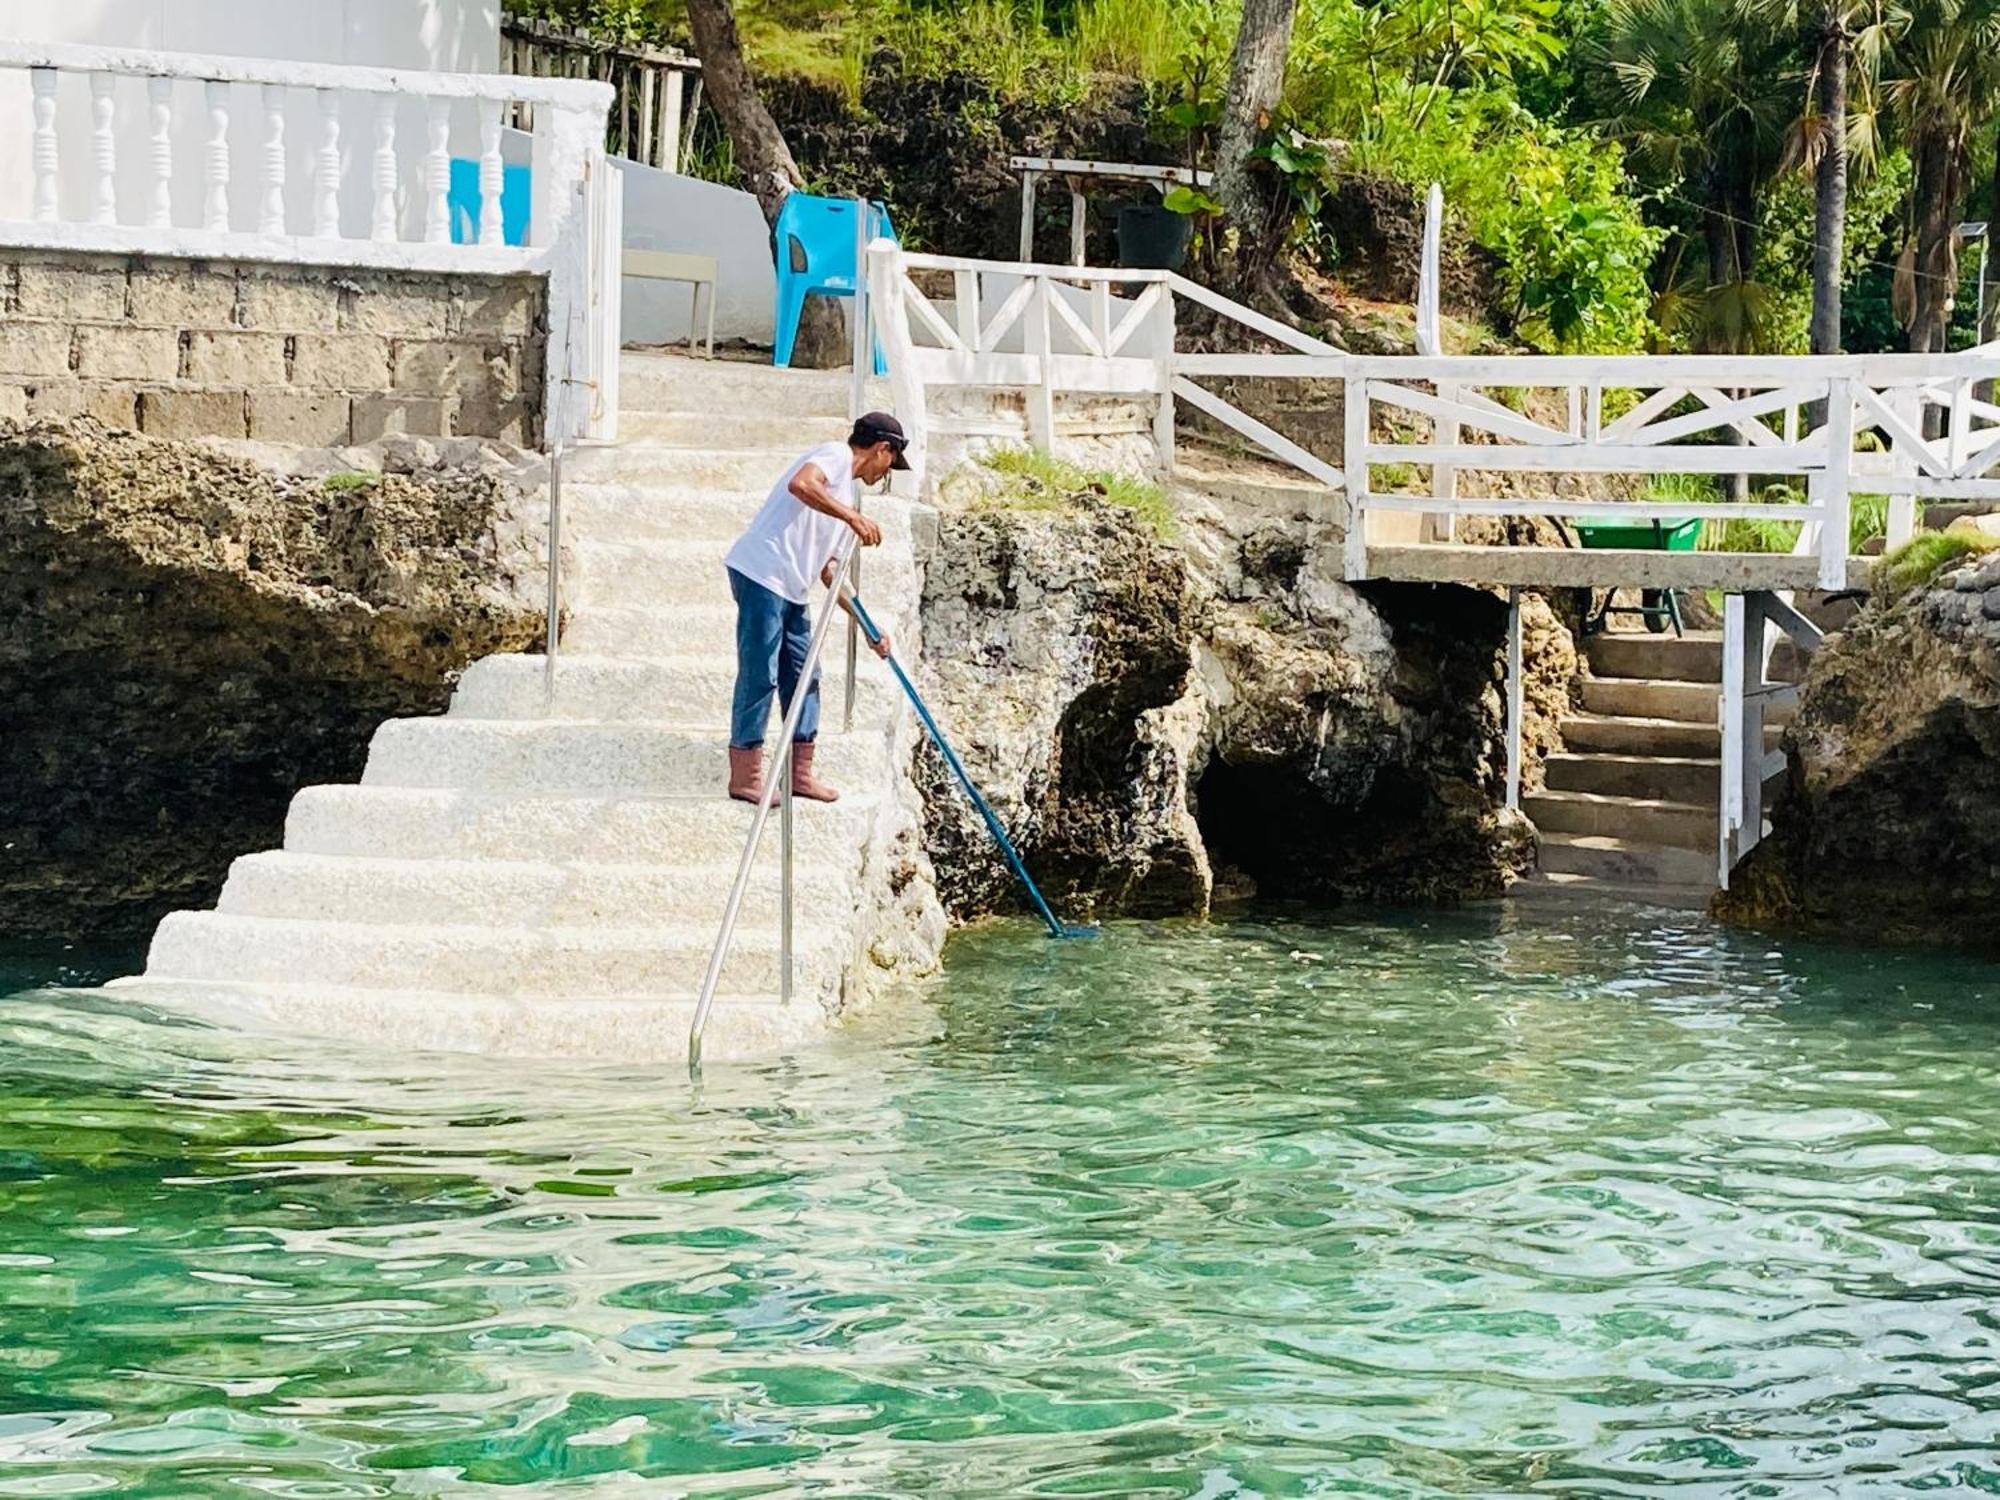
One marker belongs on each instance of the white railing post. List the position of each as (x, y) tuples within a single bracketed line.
[(272, 219), (1902, 520), (1730, 708), (1354, 468), (160, 203), (1515, 699), (42, 81), (382, 218), (215, 160), (1839, 474), (326, 168), (891, 321), (1163, 410), (1041, 395), (104, 148)]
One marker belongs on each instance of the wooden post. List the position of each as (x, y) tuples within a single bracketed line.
[(1077, 226), (1163, 412), (670, 123), (1731, 711), (1839, 468), (1354, 469), (1515, 705), (1041, 395), (1028, 216)]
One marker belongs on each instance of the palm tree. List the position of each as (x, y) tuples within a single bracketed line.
[(1703, 85), (1945, 88)]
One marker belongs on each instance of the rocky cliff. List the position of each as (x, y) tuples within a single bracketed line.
[(1157, 717), (1889, 826), (187, 637)]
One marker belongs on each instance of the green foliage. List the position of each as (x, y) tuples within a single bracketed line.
[(1044, 482), (349, 481), (1925, 555)]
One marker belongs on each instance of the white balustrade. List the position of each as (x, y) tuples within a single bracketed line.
[(327, 105)]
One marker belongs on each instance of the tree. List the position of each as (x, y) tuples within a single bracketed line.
[(1945, 88), (1256, 82), (769, 170)]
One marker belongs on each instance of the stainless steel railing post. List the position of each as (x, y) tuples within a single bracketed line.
[(782, 776)]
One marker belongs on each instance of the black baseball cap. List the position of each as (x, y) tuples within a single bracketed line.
[(875, 427)]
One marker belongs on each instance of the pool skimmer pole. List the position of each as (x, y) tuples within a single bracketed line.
[(1056, 929)]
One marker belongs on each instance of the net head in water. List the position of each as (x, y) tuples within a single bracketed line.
[(1475, 1203)]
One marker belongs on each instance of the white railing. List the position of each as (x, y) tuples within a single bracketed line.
[(1048, 330), (189, 155)]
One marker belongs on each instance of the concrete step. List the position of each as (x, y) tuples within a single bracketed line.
[(634, 757), (448, 892), (1696, 657), (676, 688), (1615, 861), (1643, 820), (1686, 702), (1632, 734), (445, 823), (1543, 886), (707, 628), (552, 963), (658, 382), (750, 425), (651, 573), (610, 512), (1256, 494), (1671, 778), (729, 469), (640, 1031)]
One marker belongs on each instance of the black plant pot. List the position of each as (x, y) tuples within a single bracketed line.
[(1152, 237)]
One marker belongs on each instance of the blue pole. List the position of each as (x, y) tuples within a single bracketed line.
[(1056, 929)]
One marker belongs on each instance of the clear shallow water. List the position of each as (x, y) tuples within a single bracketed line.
[(1598, 1203)]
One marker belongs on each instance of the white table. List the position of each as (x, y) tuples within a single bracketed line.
[(1032, 168)]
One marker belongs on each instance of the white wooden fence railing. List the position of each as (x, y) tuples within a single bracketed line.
[(210, 157), (658, 90), (1047, 330)]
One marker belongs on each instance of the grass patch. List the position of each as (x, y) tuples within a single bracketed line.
[(349, 480), (1919, 560), (1043, 482)]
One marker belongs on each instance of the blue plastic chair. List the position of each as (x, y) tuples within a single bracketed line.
[(462, 203), (815, 244)]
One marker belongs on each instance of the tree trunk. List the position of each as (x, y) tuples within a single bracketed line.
[(1830, 184), (1256, 81), (763, 158)]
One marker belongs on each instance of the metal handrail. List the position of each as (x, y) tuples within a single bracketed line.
[(779, 786)]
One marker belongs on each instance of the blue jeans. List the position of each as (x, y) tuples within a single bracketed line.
[(772, 638)]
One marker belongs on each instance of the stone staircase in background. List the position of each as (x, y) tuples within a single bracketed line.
[(1632, 804), (546, 878)]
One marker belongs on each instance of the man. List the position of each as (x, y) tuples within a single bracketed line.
[(795, 535)]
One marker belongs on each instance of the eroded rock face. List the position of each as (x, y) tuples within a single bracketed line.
[(186, 638), (1147, 716), (1889, 826)]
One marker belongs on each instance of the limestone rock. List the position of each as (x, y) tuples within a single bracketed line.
[(186, 637), (1889, 827)]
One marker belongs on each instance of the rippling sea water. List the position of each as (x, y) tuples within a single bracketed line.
[(1592, 1202)]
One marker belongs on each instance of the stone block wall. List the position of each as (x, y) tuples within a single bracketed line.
[(308, 355)]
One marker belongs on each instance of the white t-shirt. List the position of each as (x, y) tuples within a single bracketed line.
[(788, 542)]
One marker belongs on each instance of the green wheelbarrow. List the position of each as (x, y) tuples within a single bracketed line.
[(1659, 608)]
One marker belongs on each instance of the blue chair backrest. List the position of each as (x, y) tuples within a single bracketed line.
[(820, 233), (462, 199)]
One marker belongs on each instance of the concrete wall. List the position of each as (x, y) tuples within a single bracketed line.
[(665, 211), (436, 35), (286, 354)]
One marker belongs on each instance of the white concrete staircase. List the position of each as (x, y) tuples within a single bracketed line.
[(545, 878), (1630, 806)]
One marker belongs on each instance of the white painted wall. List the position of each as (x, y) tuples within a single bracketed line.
[(435, 35), (665, 211)]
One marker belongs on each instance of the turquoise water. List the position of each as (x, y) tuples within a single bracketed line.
[(1589, 1203)]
